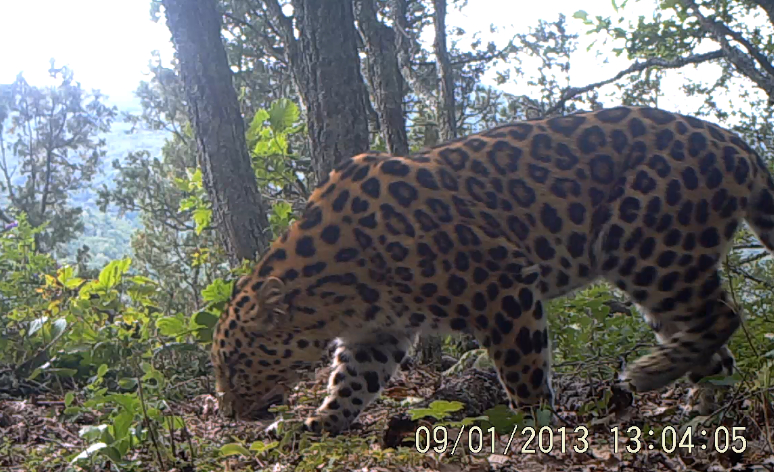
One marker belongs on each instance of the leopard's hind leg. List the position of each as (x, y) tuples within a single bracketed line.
[(665, 253)]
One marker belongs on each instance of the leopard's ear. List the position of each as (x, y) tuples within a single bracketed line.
[(271, 292), (271, 297)]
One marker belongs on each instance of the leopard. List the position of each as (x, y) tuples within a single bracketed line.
[(476, 235)]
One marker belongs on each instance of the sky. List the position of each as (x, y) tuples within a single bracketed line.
[(108, 43)]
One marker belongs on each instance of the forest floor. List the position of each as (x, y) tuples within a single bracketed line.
[(35, 435)]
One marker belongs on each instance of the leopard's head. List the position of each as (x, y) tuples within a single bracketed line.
[(256, 350)]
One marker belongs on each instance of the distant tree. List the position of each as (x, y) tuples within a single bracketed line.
[(739, 33), (215, 116), (49, 149), (168, 247)]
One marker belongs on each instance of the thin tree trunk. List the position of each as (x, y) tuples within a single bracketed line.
[(446, 120), (385, 77), (213, 109)]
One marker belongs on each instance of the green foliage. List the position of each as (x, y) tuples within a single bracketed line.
[(103, 337), (53, 150), (196, 202), (438, 409), (278, 170), (583, 328)]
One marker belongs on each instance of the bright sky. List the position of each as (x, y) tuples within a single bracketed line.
[(108, 43)]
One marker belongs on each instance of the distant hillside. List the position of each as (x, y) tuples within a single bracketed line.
[(108, 235)]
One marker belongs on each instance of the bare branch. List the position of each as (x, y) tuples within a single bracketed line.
[(572, 92), (275, 52), (3, 216), (479, 57), (280, 22), (406, 45), (744, 63)]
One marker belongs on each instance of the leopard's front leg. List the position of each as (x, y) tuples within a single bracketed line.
[(361, 369)]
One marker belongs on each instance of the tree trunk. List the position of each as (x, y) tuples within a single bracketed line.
[(385, 77), (406, 46), (326, 68), (238, 209), (446, 120)]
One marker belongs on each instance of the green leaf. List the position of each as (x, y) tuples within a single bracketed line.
[(171, 326), (58, 327), (68, 399), (196, 177), (111, 453), (260, 446), (73, 283), (254, 130), (112, 273), (218, 291), (233, 449), (127, 383), (102, 370), (202, 217), (581, 15), (62, 372), (282, 114), (722, 380), (439, 410), (178, 422), (121, 424), (503, 418), (128, 401), (204, 318), (141, 280), (90, 433), (91, 450)]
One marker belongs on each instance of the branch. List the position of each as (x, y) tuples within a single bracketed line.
[(743, 62), (406, 46), (276, 53), (572, 92), (768, 7), (749, 276), (280, 22), (4, 168), (479, 57), (3, 216)]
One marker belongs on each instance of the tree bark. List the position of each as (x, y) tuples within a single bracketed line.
[(406, 46), (213, 109), (385, 77), (446, 119), (326, 69)]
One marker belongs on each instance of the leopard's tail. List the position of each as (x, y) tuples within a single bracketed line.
[(760, 208)]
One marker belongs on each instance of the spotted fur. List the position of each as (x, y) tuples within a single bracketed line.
[(477, 234)]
